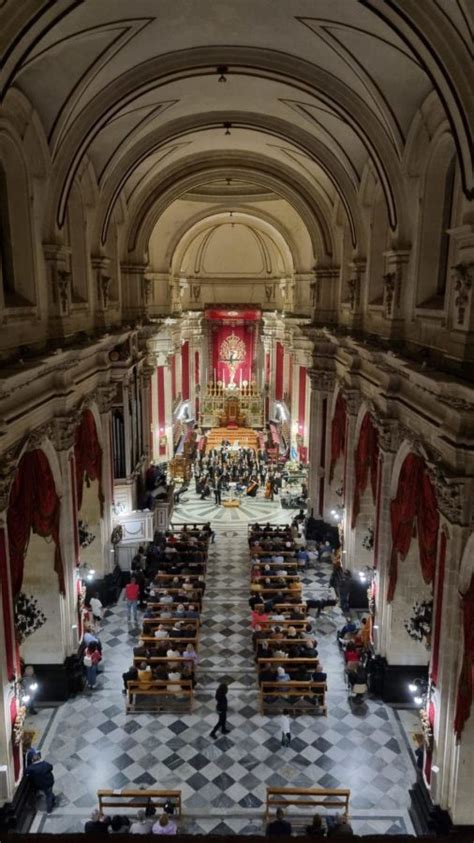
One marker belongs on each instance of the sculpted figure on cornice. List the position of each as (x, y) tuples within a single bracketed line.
[(352, 398), (64, 431), (388, 430)]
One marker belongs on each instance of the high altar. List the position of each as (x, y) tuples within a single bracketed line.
[(237, 405)]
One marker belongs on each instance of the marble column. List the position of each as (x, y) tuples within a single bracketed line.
[(352, 398), (322, 386)]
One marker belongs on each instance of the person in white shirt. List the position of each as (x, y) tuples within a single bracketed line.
[(166, 598), (141, 824), (97, 612), (285, 728), (161, 632)]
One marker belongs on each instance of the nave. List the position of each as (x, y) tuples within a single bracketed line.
[(92, 743)]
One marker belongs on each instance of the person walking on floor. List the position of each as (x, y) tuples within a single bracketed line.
[(285, 728), (41, 774), (132, 593), (221, 708)]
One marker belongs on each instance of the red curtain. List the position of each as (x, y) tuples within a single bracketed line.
[(33, 505), (415, 499), (465, 681), (365, 459), (438, 609), (220, 370), (88, 457), (338, 433)]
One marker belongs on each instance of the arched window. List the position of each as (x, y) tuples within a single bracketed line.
[(438, 212)]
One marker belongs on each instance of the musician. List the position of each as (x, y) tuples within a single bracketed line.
[(252, 488)]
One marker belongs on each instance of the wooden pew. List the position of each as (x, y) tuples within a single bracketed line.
[(309, 798), (154, 623), (287, 553), (303, 696), (194, 597), (135, 799), (161, 695), (164, 660), (150, 641)]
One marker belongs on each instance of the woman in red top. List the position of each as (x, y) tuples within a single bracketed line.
[(92, 658), (259, 616), (132, 593), (351, 655)]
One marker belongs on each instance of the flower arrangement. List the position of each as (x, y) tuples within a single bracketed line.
[(368, 540), (28, 616), (19, 725), (419, 625), (85, 536), (426, 729)]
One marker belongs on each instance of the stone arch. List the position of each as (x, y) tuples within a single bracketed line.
[(299, 73)]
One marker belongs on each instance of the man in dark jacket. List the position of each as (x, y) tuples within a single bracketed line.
[(279, 827), (41, 774)]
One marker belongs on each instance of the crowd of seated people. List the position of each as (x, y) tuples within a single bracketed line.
[(171, 576), (145, 821), (354, 640), (282, 630)]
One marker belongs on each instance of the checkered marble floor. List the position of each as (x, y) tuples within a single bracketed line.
[(93, 743)]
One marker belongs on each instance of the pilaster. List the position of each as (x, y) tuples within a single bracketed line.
[(352, 398), (59, 284), (322, 387), (395, 289), (323, 294)]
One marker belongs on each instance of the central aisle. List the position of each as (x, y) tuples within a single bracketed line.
[(92, 743)]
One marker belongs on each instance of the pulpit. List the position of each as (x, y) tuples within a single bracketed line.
[(232, 414)]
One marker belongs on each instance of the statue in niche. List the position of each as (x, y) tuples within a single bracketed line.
[(269, 292)]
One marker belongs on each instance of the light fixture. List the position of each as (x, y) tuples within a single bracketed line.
[(85, 573), (222, 69), (420, 689), (227, 127)]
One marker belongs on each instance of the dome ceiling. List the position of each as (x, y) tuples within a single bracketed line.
[(317, 90)]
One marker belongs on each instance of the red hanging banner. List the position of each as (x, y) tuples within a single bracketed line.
[(88, 457), (365, 461), (338, 433)]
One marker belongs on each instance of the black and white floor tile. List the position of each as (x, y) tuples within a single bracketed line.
[(93, 743)]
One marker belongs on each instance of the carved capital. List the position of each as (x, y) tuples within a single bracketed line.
[(357, 269), (387, 432), (352, 399), (64, 289), (57, 259), (101, 267), (391, 292), (463, 277), (64, 431), (105, 397), (321, 380)]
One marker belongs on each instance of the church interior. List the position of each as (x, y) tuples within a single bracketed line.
[(237, 428)]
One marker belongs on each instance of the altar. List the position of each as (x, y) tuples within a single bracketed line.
[(235, 406)]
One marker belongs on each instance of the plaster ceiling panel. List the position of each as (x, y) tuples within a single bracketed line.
[(336, 133), (460, 14), (383, 65), (124, 129), (48, 79), (309, 169), (173, 25), (150, 166)]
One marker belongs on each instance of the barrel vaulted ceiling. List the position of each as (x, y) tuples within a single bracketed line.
[(316, 93)]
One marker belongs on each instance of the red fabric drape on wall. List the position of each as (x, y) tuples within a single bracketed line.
[(438, 608), (160, 380), (466, 675), (88, 457), (33, 505), (338, 433), (7, 608), (220, 370), (173, 377), (366, 458), (415, 499), (279, 368), (185, 371)]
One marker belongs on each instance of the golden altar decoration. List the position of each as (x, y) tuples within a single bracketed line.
[(222, 405), (232, 352)]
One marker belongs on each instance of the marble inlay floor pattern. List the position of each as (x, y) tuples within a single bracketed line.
[(92, 743)]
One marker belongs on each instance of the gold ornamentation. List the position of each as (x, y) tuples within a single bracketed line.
[(232, 352)]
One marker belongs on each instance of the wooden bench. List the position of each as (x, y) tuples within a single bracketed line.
[(134, 799), (161, 695), (260, 566), (194, 597), (303, 696), (307, 798), (272, 592), (156, 660), (151, 623), (150, 641)]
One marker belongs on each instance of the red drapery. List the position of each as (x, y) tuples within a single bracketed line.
[(220, 370), (279, 369), (185, 371), (438, 608), (415, 499), (338, 433), (33, 505), (88, 457), (365, 459), (466, 675)]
